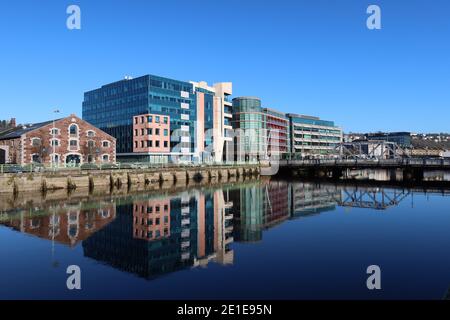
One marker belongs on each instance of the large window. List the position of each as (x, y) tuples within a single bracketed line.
[(73, 130)]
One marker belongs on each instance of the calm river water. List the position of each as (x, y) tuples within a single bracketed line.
[(254, 240)]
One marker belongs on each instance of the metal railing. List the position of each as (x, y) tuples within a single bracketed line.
[(370, 162), (36, 168)]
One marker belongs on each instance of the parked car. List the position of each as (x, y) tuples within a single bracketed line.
[(14, 168), (132, 166), (34, 167), (109, 166), (89, 166)]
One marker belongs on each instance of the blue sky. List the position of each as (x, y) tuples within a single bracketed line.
[(312, 57)]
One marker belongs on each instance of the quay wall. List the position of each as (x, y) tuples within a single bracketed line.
[(14, 183)]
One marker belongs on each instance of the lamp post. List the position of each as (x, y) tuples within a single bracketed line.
[(53, 141)]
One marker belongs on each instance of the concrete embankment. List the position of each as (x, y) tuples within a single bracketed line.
[(94, 180)]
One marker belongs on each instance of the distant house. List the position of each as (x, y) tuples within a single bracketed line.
[(69, 140)]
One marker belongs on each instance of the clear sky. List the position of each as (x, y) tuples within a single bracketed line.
[(313, 57)]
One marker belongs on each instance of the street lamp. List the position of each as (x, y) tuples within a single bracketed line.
[(53, 141)]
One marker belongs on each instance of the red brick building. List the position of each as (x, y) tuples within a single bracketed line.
[(69, 140)]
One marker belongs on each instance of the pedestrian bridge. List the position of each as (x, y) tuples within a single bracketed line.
[(422, 163), (409, 168)]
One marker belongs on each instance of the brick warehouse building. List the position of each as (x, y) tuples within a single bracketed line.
[(69, 140)]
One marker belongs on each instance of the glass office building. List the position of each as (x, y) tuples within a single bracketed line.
[(264, 133), (403, 139), (251, 139), (113, 106), (311, 136)]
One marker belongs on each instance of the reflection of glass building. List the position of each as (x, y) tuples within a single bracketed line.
[(259, 207), (151, 237), (309, 199)]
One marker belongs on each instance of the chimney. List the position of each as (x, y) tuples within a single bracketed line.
[(12, 123)]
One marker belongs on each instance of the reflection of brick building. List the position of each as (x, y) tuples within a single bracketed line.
[(151, 219), (68, 227), (66, 140)]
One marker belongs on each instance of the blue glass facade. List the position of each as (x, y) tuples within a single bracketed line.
[(208, 119), (112, 107)]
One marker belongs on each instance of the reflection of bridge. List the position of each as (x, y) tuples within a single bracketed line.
[(378, 199)]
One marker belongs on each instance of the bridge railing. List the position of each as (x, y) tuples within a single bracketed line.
[(368, 162)]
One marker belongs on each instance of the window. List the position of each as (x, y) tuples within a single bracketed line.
[(54, 131), (73, 130), (55, 143), (157, 119), (91, 144), (105, 144), (91, 133), (73, 143), (136, 132), (149, 132), (157, 143), (135, 120), (142, 119), (149, 143), (166, 207), (149, 209), (157, 221), (36, 158), (142, 144), (166, 132), (142, 132), (165, 120), (166, 219), (157, 132), (36, 142), (165, 144), (149, 119), (105, 158), (135, 144)]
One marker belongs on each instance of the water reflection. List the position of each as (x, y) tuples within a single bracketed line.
[(152, 235)]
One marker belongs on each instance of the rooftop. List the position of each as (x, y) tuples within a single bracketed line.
[(18, 131)]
